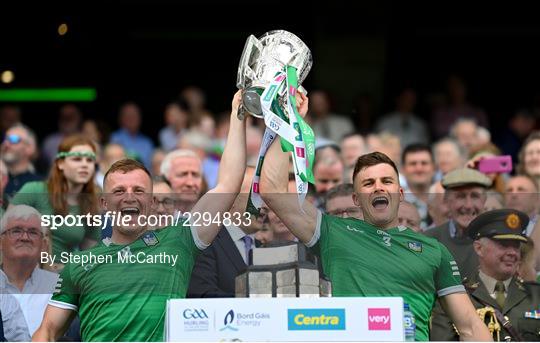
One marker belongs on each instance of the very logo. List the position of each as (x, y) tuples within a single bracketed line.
[(379, 319)]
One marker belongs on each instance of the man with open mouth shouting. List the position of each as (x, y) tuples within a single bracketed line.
[(121, 293), (375, 257)]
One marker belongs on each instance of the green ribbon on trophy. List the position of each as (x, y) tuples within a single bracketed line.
[(296, 135)]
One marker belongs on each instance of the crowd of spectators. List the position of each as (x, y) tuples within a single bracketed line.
[(184, 160)]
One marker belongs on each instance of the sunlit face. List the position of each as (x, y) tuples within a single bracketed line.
[(129, 194), (498, 258), (378, 193), (78, 170), (344, 207), (23, 239), (520, 194), (418, 168), (408, 216), (186, 178), (532, 158), (465, 203)]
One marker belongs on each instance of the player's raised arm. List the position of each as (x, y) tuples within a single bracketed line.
[(273, 188), (231, 173)]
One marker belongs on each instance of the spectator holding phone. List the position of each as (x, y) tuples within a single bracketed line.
[(488, 160)]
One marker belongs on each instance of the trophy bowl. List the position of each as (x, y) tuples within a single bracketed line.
[(263, 58)]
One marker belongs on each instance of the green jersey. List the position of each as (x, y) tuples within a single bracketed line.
[(120, 291), (64, 238), (362, 260)]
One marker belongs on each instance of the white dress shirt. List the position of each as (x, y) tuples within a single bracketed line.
[(35, 295)]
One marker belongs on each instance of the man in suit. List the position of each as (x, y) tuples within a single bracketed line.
[(217, 266), (465, 196), (508, 304)]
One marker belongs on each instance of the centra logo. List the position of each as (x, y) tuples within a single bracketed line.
[(316, 319)]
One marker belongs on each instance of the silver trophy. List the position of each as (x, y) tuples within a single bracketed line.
[(264, 57)]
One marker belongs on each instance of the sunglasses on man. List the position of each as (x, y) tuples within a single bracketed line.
[(13, 139)]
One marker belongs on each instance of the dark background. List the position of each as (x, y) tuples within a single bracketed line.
[(147, 51)]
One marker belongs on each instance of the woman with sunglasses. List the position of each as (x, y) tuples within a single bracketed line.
[(69, 190)]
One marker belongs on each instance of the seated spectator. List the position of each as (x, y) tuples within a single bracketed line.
[(10, 115), (437, 207), (403, 122), (137, 145), (157, 158), (326, 124), (339, 202), (183, 170), (70, 189), (449, 155), (529, 157), (13, 324), (465, 196), (352, 146), (111, 153), (456, 108), (465, 131), (418, 169), (522, 194), (201, 144), (408, 216), (69, 123), (494, 201), (17, 152), (22, 239), (176, 120), (163, 206), (4, 178)]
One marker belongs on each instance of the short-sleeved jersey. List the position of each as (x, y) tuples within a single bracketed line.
[(362, 260), (64, 238), (125, 301)]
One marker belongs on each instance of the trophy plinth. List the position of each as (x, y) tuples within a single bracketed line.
[(285, 270)]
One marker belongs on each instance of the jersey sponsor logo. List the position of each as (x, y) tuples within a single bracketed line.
[(150, 238), (190, 313), (316, 319), (379, 319), (415, 246)]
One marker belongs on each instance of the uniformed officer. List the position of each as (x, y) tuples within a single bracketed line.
[(465, 196), (509, 307)]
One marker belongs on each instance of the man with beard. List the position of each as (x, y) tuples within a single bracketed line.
[(125, 301), (374, 257), (495, 288), (465, 196), (17, 150)]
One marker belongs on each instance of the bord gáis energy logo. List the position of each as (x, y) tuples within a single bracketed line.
[(316, 319)]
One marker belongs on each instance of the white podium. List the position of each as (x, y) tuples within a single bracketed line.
[(285, 319)]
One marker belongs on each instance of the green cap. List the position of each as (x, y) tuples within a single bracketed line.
[(502, 224)]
